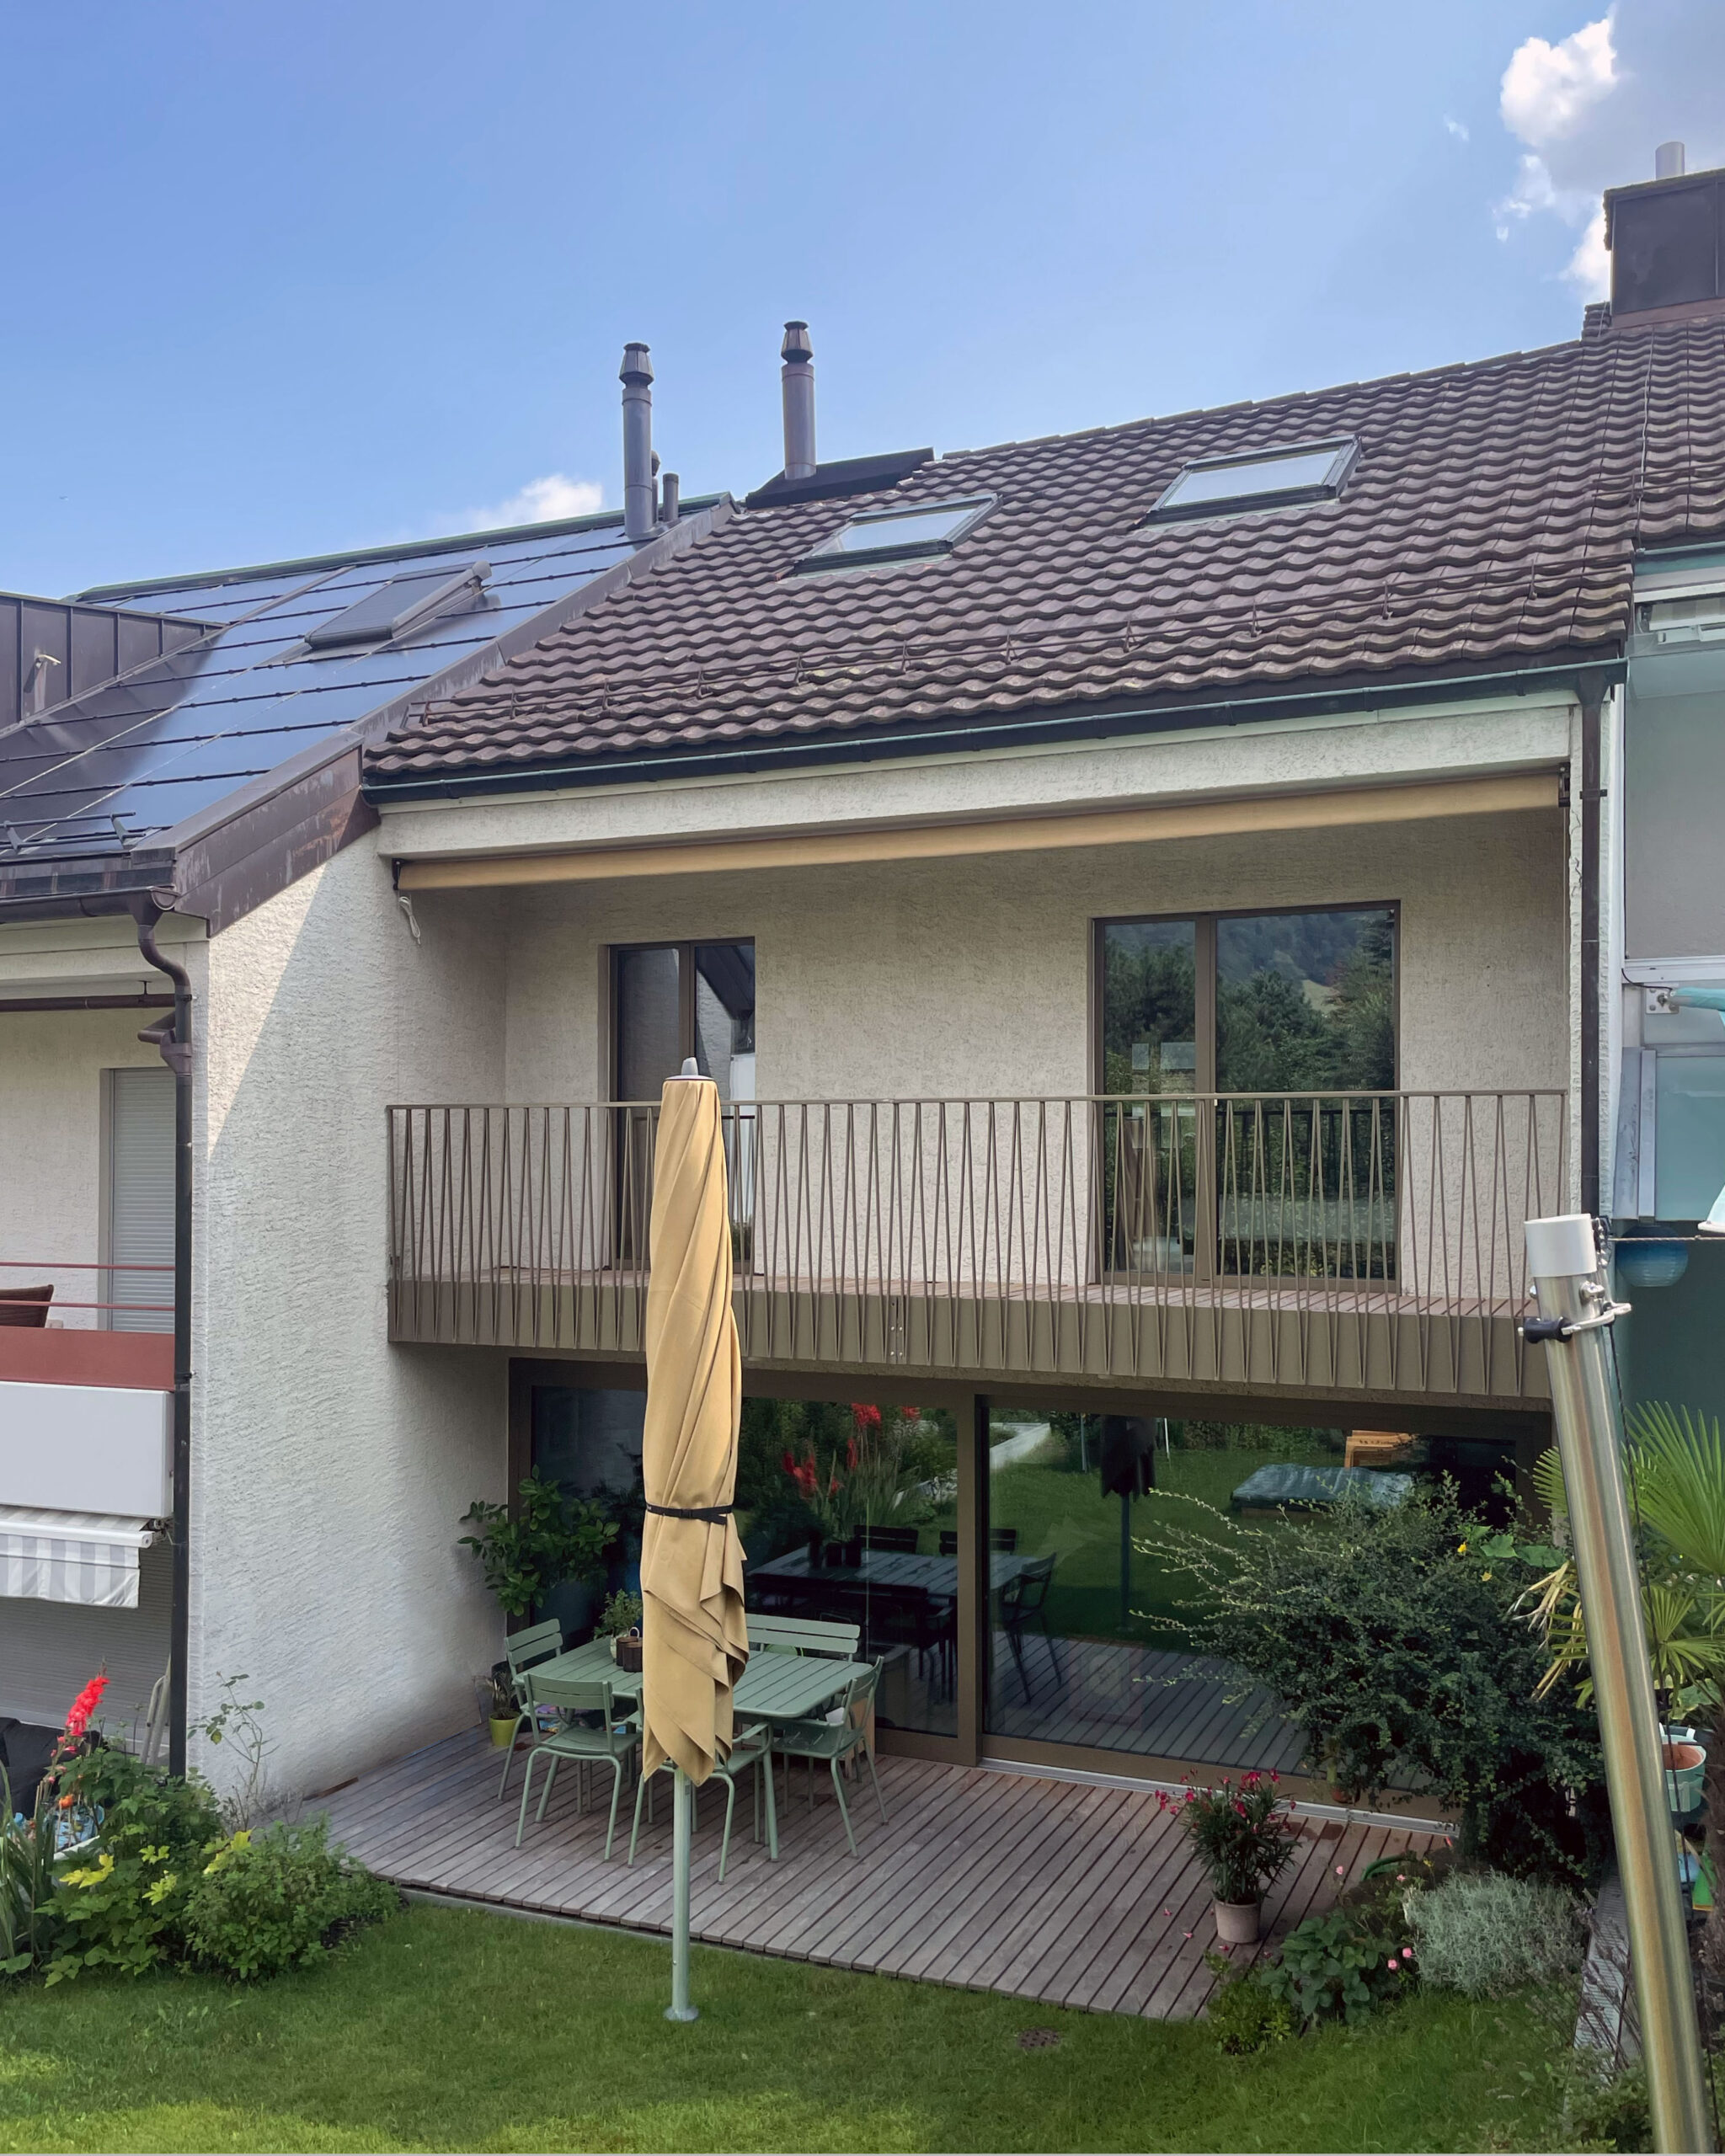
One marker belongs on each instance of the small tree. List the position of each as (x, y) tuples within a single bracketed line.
[(549, 1539)]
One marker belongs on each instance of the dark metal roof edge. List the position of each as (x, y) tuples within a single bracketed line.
[(843, 476), (460, 674), (599, 520), (1097, 721), (85, 885)]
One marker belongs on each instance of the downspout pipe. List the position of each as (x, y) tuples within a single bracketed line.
[(173, 1038), (1591, 688)]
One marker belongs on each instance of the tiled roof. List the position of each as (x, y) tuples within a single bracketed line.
[(1492, 516)]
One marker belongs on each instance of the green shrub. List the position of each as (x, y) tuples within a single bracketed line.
[(1242, 1835), (1337, 1968), (1244, 2015), (1395, 1641), (546, 1537), (120, 1913), (122, 1906), (1484, 1935), (275, 1901), (142, 1807)]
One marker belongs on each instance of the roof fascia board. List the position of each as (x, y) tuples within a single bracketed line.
[(1087, 721), (461, 674), (1287, 808)]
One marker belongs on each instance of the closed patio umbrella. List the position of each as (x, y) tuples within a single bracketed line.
[(696, 1637)]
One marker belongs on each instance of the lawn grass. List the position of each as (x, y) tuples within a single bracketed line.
[(455, 2029)]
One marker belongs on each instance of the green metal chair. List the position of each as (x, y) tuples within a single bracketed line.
[(525, 1650), (608, 1743), (837, 1741), (750, 1749)]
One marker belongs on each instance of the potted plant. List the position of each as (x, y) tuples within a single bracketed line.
[(1245, 1838), (620, 1622), (546, 1537), (501, 1706)]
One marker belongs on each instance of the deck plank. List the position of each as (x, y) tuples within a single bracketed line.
[(1080, 1894)]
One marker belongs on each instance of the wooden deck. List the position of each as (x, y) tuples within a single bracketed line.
[(1079, 1895)]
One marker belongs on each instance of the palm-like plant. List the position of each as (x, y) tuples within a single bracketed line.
[(1677, 1465)]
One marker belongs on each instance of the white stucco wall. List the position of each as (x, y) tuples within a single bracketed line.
[(331, 1469), (970, 976)]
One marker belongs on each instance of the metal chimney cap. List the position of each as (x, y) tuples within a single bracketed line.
[(796, 345), (636, 366), (1670, 161)]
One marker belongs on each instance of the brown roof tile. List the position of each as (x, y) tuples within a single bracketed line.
[(1493, 516)]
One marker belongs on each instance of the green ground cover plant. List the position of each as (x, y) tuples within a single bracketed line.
[(452, 2029), (1486, 1935)]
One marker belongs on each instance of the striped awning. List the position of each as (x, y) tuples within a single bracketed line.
[(90, 1558)]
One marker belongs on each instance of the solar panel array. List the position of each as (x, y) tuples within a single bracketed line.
[(130, 760)]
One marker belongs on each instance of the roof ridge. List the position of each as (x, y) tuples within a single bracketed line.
[(404, 550)]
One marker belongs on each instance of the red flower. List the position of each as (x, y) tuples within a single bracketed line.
[(911, 1414), (84, 1705), (865, 1418), (851, 1454)]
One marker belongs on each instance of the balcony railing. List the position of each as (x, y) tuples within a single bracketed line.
[(81, 1321), (1340, 1241)]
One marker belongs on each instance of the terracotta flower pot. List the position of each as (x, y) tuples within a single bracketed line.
[(1237, 1922)]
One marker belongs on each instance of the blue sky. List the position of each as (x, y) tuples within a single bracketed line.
[(285, 279)]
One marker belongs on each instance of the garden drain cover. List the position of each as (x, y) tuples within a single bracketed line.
[(1037, 2039)]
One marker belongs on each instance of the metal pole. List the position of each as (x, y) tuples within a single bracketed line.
[(1575, 1314), (681, 1808)]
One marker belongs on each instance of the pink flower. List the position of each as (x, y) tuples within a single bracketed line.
[(1339, 1872), (1391, 1963)]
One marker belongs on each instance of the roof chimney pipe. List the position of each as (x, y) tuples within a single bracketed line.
[(1669, 160), (637, 379), (799, 383)]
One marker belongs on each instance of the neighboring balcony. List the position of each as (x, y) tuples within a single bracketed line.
[(1347, 1243), (86, 1423)]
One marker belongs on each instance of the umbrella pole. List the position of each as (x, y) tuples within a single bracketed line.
[(681, 1806)]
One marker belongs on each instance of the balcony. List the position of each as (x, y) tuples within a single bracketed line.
[(1352, 1244)]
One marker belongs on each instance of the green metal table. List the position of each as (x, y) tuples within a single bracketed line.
[(773, 1688)]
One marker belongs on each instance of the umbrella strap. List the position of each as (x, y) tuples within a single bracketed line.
[(717, 1514)]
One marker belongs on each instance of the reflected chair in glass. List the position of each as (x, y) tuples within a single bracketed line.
[(899, 1541), (525, 1650), (750, 1749), (925, 1623), (1004, 1540), (607, 1743), (837, 1742), (1023, 1600), (776, 1634)]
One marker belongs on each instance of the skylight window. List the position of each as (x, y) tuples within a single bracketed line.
[(1266, 478), (897, 535), (398, 606)]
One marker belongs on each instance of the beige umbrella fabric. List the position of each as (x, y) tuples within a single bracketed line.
[(695, 1634)]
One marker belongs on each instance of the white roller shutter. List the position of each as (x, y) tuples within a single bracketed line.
[(141, 1197)]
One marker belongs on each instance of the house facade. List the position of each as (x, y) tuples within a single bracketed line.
[(1151, 900)]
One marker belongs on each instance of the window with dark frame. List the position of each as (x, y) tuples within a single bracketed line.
[(1260, 478), (1288, 1018), (673, 1001)]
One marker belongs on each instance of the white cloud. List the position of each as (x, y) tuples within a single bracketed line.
[(1548, 90), (541, 501), (1588, 111), (1458, 128), (1590, 268)]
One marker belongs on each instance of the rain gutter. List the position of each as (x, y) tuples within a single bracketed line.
[(1092, 722)]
